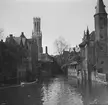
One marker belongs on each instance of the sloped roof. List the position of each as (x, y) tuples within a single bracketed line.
[(92, 35), (17, 39), (82, 44), (100, 8), (22, 35), (11, 40), (46, 57), (23, 41)]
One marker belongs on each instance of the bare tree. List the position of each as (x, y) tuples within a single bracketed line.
[(61, 45)]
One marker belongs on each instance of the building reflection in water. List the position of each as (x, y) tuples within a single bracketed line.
[(74, 92), (93, 92), (59, 92), (50, 92)]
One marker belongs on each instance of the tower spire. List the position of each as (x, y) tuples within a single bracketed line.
[(84, 32), (87, 30), (84, 36), (87, 33), (100, 8)]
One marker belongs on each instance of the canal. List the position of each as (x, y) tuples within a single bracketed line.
[(55, 91)]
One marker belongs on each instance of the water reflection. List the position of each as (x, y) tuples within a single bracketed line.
[(62, 91), (59, 92), (93, 93), (50, 92), (56, 91)]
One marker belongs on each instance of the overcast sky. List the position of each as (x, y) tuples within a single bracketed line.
[(66, 18)]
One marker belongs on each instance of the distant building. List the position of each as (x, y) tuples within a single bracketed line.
[(32, 48), (37, 38), (96, 54), (24, 47), (87, 53), (29, 49), (45, 57), (37, 35)]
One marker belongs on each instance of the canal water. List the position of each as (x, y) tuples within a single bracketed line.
[(56, 91)]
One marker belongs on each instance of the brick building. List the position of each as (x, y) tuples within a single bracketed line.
[(28, 51), (23, 48), (94, 46)]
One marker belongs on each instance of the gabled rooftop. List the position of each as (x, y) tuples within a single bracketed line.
[(100, 8), (22, 35)]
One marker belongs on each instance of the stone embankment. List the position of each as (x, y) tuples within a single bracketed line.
[(95, 77)]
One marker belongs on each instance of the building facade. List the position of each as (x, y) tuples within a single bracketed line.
[(23, 47), (101, 37), (31, 50), (94, 46), (28, 54)]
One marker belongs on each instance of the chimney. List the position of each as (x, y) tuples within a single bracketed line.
[(1, 40), (46, 50), (22, 33)]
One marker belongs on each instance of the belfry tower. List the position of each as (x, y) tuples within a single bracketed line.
[(101, 38), (37, 34)]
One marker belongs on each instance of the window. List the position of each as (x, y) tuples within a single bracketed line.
[(35, 24), (100, 70), (101, 36), (102, 26), (102, 62), (102, 22), (101, 48), (101, 18)]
